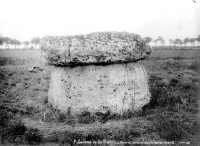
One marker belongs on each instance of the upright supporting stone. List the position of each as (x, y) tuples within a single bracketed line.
[(118, 88), (97, 72)]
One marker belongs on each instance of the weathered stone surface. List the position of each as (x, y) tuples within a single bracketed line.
[(97, 88), (94, 48)]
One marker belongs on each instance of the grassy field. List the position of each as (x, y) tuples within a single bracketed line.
[(19, 53), (171, 114), (168, 53)]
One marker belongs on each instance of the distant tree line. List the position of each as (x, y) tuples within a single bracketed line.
[(9, 41), (174, 42)]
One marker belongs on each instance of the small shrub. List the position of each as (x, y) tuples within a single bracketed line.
[(115, 116), (121, 135), (128, 114), (4, 117), (55, 115), (62, 117), (17, 128), (31, 110), (104, 117), (33, 136), (158, 93), (134, 133), (195, 65), (45, 100), (13, 132), (70, 120), (69, 138), (53, 137), (178, 58), (86, 118), (6, 61), (173, 82)]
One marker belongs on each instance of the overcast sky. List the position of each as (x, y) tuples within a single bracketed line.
[(24, 19)]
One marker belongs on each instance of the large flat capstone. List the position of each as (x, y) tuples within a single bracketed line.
[(96, 88), (94, 48)]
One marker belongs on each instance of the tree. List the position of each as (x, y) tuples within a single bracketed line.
[(1, 41), (177, 41), (171, 42), (185, 41), (192, 41), (180, 42), (198, 39), (26, 43), (15, 42), (35, 41), (148, 39), (161, 40), (7, 41), (155, 41)]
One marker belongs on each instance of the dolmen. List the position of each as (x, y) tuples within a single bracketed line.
[(97, 72)]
